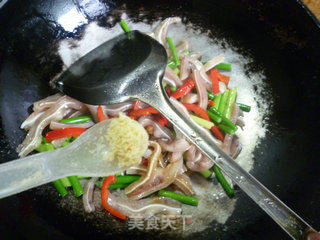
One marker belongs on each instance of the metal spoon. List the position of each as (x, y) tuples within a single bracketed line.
[(125, 70), (85, 157)]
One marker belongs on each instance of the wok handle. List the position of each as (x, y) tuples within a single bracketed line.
[(287, 219), (25, 173)]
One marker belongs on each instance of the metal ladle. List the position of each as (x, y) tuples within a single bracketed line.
[(123, 69)]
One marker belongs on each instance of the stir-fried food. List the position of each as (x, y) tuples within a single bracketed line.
[(160, 181)]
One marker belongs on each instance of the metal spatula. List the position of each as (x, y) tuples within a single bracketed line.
[(125, 70)]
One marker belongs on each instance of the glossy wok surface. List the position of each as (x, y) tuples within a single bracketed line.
[(283, 41)]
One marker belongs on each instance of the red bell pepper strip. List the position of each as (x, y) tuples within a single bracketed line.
[(168, 91), (214, 79), (64, 132), (223, 78), (147, 111), (162, 120), (197, 110), (100, 114), (184, 89), (104, 197), (143, 112), (136, 105), (217, 133)]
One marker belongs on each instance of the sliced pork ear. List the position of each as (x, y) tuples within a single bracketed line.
[(78, 113), (155, 178), (57, 125), (93, 111), (185, 68), (190, 98), (140, 170), (154, 183), (183, 182), (180, 48), (201, 89), (46, 102), (204, 163), (176, 156), (231, 145), (161, 31), (69, 112), (240, 113), (179, 106), (227, 143), (171, 77), (87, 197), (152, 165), (235, 148), (30, 121), (113, 110), (213, 62), (170, 82), (159, 132), (54, 113), (195, 55), (196, 161), (151, 34), (198, 66), (38, 109), (144, 208), (240, 122), (58, 142), (177, 145)]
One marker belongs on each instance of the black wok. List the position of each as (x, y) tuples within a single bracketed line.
[(281, 37)]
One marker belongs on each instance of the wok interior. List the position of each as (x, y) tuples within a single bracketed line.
[(285, 48)]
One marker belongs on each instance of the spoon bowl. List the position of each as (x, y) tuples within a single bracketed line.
[(122, 68)]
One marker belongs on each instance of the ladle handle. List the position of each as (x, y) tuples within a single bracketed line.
[(25, 173), (294, 225)]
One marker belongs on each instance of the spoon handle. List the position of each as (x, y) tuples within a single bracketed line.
[(294, 225), (25, 173)]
